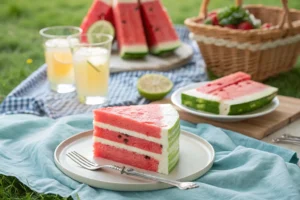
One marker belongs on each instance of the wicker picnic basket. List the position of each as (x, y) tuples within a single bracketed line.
[(260, 52)]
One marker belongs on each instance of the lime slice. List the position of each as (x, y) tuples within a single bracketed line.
[(96, 62), (102, 26), (154, 86)]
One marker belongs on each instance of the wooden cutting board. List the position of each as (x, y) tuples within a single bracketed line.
[(287, 112), (179, 57)]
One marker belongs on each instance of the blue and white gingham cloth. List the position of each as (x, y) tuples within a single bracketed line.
[(33, 95)]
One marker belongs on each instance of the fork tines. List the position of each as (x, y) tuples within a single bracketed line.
[(80, 160)]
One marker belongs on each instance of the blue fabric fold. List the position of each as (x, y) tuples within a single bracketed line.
[(244, 168)]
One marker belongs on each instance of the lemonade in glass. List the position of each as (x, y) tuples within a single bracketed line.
[(58, 57), (91, 66)]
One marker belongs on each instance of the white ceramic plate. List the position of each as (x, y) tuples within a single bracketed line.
[(196, 158), (176, 100)]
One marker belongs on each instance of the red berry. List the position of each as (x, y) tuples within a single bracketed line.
[(230, 26), (245, 26), (266, 25), (215, 20)]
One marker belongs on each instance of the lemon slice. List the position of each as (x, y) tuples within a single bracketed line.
[(102, 26), (63, 57), (154, 86)]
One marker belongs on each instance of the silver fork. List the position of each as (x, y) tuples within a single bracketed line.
[(87, 164)]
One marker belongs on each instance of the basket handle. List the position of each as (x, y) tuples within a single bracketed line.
[(286, 15), (204, 7)]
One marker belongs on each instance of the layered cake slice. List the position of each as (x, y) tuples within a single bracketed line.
[(145, 136), (231, 95)]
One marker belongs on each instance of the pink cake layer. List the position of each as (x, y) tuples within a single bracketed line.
[(125, 157), (142, 119), (128, 140)]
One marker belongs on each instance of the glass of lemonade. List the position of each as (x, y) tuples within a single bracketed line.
[(58, 56), (91, 67)]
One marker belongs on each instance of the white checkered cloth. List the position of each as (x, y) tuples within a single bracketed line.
[(33, 95)]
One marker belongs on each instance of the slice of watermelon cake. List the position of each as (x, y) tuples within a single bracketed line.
[(161, 35), (130, 31), (231, 95), (99, 10), (145, 137)]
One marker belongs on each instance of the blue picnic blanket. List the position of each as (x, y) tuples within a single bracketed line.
[(244, 168), (33, 96)]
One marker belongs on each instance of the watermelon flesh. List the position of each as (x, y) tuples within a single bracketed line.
[(130, 32), (145, 137), (231, 95), (99, 10), (224, 82), (161, 35)]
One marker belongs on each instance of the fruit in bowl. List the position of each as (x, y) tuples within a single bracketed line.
[(234, 17)]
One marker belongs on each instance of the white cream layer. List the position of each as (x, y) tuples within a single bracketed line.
[(163, 159), (164, 46)]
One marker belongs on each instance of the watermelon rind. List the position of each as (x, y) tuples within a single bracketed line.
[(134, 55), (162, 50), (200, 103), (251, 106), (225, 107)]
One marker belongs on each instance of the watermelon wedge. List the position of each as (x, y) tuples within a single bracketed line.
[(161, 35), (130, 32), (99, 10), (144, 136), (231, 95)]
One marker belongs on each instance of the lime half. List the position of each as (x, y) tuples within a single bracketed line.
[(154, 86), (100, 27)]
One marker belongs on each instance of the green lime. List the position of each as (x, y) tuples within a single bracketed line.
[(101, 27), (154, 86)]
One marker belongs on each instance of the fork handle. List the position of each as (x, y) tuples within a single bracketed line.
[(132, 172)]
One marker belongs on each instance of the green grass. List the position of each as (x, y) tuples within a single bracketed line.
[(19, 41)]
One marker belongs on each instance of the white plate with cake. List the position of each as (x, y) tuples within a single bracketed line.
[(232, 98), (147, 138)]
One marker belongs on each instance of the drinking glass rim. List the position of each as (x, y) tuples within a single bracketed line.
[(42, 31), (109, 39)]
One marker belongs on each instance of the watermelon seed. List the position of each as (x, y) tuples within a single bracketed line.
[(123, 21), (157, 29), (137, 8), (151, 9), (119, 136), (147, 157), (102, 16), (161, 146), (125, 141)]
